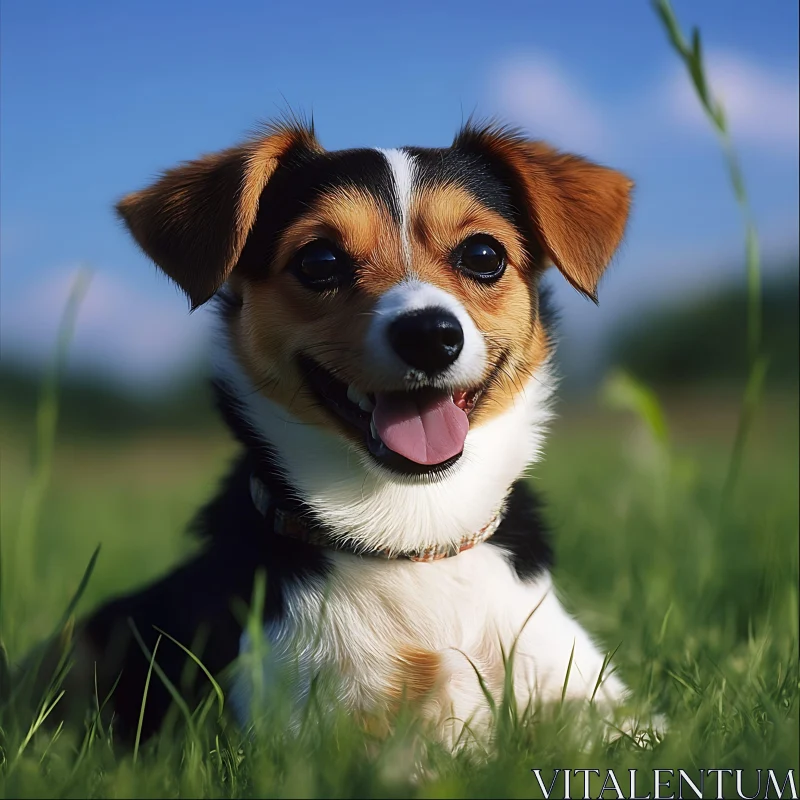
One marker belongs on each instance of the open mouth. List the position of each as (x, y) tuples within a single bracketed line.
[(412, 432)]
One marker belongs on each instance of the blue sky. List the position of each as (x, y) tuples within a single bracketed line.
[(98, 96)]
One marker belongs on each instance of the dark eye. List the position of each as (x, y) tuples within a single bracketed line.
[(481, 257), (321, 265)]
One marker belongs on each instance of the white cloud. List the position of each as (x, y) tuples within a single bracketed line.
[(535, 92), (134, 333), (761, 105)]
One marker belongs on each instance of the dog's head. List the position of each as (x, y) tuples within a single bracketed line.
[(387, 296)]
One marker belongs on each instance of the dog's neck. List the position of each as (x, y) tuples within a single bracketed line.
[(299, 526), (312, 469)]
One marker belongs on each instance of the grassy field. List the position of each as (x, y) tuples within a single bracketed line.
[(703, 607)]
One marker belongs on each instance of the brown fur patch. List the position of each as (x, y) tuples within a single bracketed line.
[(361, 226), (443, 216), (416, 675), (195, 220), (579, 209)]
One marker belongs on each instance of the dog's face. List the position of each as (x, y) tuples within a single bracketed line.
[(389, 297)]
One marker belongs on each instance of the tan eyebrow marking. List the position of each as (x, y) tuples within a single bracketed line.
[(353, 219), (443, 216)]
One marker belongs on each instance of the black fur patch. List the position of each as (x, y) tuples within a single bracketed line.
[(523, 533), (469, 144), (298, 183), (442, 166)]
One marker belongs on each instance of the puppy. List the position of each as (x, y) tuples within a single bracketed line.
[(384, 359)]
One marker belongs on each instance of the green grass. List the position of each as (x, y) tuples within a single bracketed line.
[(704, 613)]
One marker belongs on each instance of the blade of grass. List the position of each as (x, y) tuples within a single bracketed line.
[(46, 423), (509, 701), (170, 686), (56, 734), (682, 681), (490, 701), (752, 396), (138, 738), (601, 676), (692, 57), (53, 656), (5, 676), (46, 708), (217, 689), (91, 732), (566, 677), (621, 390), (258, 644), (76, 597)]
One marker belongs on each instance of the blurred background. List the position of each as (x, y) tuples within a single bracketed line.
[(97, 97)]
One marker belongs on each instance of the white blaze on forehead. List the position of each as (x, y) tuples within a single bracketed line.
[(402, 166)]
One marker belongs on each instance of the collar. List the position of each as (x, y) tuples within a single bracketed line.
[(295, 526)]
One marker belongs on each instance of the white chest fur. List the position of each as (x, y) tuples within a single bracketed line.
[(376, 631)]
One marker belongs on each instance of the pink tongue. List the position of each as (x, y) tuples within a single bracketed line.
[(427, 431)]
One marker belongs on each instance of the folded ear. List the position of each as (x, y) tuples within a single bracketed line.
[(194, 221), (578, 209)]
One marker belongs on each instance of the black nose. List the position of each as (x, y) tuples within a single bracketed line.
[(428, 340)]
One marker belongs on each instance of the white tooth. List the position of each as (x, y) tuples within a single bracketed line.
[(359, 398), (373, 430)]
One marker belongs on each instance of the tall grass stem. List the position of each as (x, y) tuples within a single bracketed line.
[(46, 424), (691, 54)]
